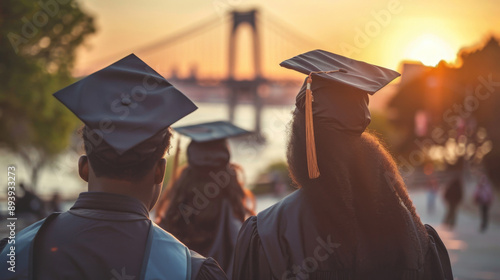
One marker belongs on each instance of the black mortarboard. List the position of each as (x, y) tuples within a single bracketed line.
[(125, 104), (208, 147), (341, 87)]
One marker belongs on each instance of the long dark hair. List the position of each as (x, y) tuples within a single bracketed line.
[(359, 195), (194, 222)]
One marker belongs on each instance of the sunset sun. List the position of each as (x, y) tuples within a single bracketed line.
[(429, 49)]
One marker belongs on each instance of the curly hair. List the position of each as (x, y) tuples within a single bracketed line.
[(106, 162), (359, 190)]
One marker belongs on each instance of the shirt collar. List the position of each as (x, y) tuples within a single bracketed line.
[(110, 202)]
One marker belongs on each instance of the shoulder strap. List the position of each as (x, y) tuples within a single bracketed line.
[(21, 258), (165, 257)]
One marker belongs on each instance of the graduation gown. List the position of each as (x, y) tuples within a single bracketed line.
[(105, 236), (285, 242), (223, 233)]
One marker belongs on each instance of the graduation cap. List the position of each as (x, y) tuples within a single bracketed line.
[(208, 147), (125, 104), (341, 87)]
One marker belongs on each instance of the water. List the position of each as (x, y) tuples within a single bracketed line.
[(62, 175)]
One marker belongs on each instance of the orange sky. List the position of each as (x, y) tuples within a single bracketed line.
[(382, 32)]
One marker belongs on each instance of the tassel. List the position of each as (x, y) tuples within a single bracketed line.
[(312, 161)]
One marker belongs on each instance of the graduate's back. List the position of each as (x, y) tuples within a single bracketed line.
[(352, 217), (207, 202), (355, 221), (107, 234)]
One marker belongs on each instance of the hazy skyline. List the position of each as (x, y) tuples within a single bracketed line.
[(382, 32)]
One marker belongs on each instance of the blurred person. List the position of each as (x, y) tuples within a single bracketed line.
[(29, 207), (30, 203), (351, 217), (207, 202), (432, 187), (127, 109), (279, 187), (453, 196), (55, 202), (483, 196)]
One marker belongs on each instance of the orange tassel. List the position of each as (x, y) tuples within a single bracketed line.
[(312, 161)]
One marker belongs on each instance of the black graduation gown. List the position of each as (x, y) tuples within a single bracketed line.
[(103, 236), (223, 235), (283, 242)]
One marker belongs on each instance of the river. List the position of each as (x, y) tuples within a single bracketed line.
[(62, 176)]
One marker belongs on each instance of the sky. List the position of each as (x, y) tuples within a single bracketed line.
[(382, 32)]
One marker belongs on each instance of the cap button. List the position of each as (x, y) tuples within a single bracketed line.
[(126, 101)]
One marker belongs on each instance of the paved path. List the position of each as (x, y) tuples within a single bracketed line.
[(474, 255)]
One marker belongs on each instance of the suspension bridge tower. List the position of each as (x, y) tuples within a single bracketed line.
[(237, 88)]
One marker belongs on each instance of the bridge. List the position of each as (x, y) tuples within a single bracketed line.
[(232, 58)]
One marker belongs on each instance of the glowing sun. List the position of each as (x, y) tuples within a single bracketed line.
[(429, 49)]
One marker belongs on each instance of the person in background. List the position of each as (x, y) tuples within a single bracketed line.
[(206, 204), (351, 217), (278, 186), (30, 204), (483, 196), (55, 202), (453, 196), (127, 109), (29, 207), (432, 187)]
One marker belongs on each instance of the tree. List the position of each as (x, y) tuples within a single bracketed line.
[(481, 70), (456, 107), (38, 45)]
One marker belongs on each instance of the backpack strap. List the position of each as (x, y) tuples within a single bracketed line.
[(165, 257), (22, 256)]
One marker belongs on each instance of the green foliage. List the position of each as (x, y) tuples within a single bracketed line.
[(459, 106), (38, 42)]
